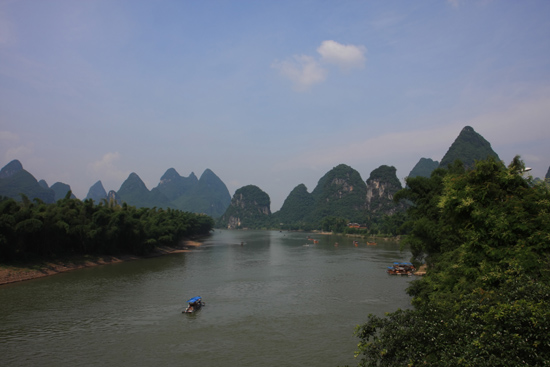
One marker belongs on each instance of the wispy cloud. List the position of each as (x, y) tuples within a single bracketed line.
[(375, 148), (7, 136), (346, 57), (11, 147), (107, 169), (454, 3), (304, 71), (511, 123)]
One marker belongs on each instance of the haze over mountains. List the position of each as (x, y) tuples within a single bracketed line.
[(208, 194)]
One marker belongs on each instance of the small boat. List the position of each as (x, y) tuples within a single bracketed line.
[(401, 269), (194, 304)]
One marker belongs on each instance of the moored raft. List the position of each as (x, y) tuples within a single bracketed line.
[(401, 268)]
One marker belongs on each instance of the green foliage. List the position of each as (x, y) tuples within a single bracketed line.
[(334, 224), (485, 300), (36, 230)]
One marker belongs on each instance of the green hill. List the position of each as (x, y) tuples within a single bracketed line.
[(296, 207), (61, 189), (468, 147), (134, 192), (14, 181), (249, 208), (173, 186), (341, 192), (209, 196), (424, 167), (97, 192)]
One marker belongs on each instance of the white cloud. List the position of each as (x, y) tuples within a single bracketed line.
[(303, 71), (346, 57)]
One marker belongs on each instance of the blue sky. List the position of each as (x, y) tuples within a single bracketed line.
[(269, 93)]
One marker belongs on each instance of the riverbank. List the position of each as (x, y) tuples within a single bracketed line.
[(12, 274)]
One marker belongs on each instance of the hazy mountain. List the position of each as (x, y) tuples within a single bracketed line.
[(43, 184), (61, 189), (134, 192), (97, 192), (547, 177), (209, 196), (173, 186), (468, 147), (14, 181), (341, 192), (249, 208), (11, 169), (424, 167)]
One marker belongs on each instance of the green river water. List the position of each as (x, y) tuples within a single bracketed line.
[(270, 302)]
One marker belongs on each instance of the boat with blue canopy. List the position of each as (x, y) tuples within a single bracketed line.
[(194, 304)]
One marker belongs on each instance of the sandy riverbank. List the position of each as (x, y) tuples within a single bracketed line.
[(12, 274)]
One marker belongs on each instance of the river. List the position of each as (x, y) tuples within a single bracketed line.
[(272, 299)]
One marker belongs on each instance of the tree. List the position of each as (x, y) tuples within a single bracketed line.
[(485, 300)]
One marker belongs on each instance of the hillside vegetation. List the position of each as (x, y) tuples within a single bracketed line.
[(485, 301)]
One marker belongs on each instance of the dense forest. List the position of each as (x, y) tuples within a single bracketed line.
[(35, 230), (485, 300)]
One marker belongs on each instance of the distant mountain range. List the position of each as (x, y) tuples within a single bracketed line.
[(207, 195), (341, 192)]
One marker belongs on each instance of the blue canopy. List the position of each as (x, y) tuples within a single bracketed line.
[(194, 299)]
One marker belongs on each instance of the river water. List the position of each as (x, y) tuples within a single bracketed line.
[(272, 301)]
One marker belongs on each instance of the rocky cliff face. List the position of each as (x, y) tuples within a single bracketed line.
[(249, 208), (381, 187)]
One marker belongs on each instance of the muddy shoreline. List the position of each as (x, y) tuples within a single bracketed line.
[(12, 274)]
